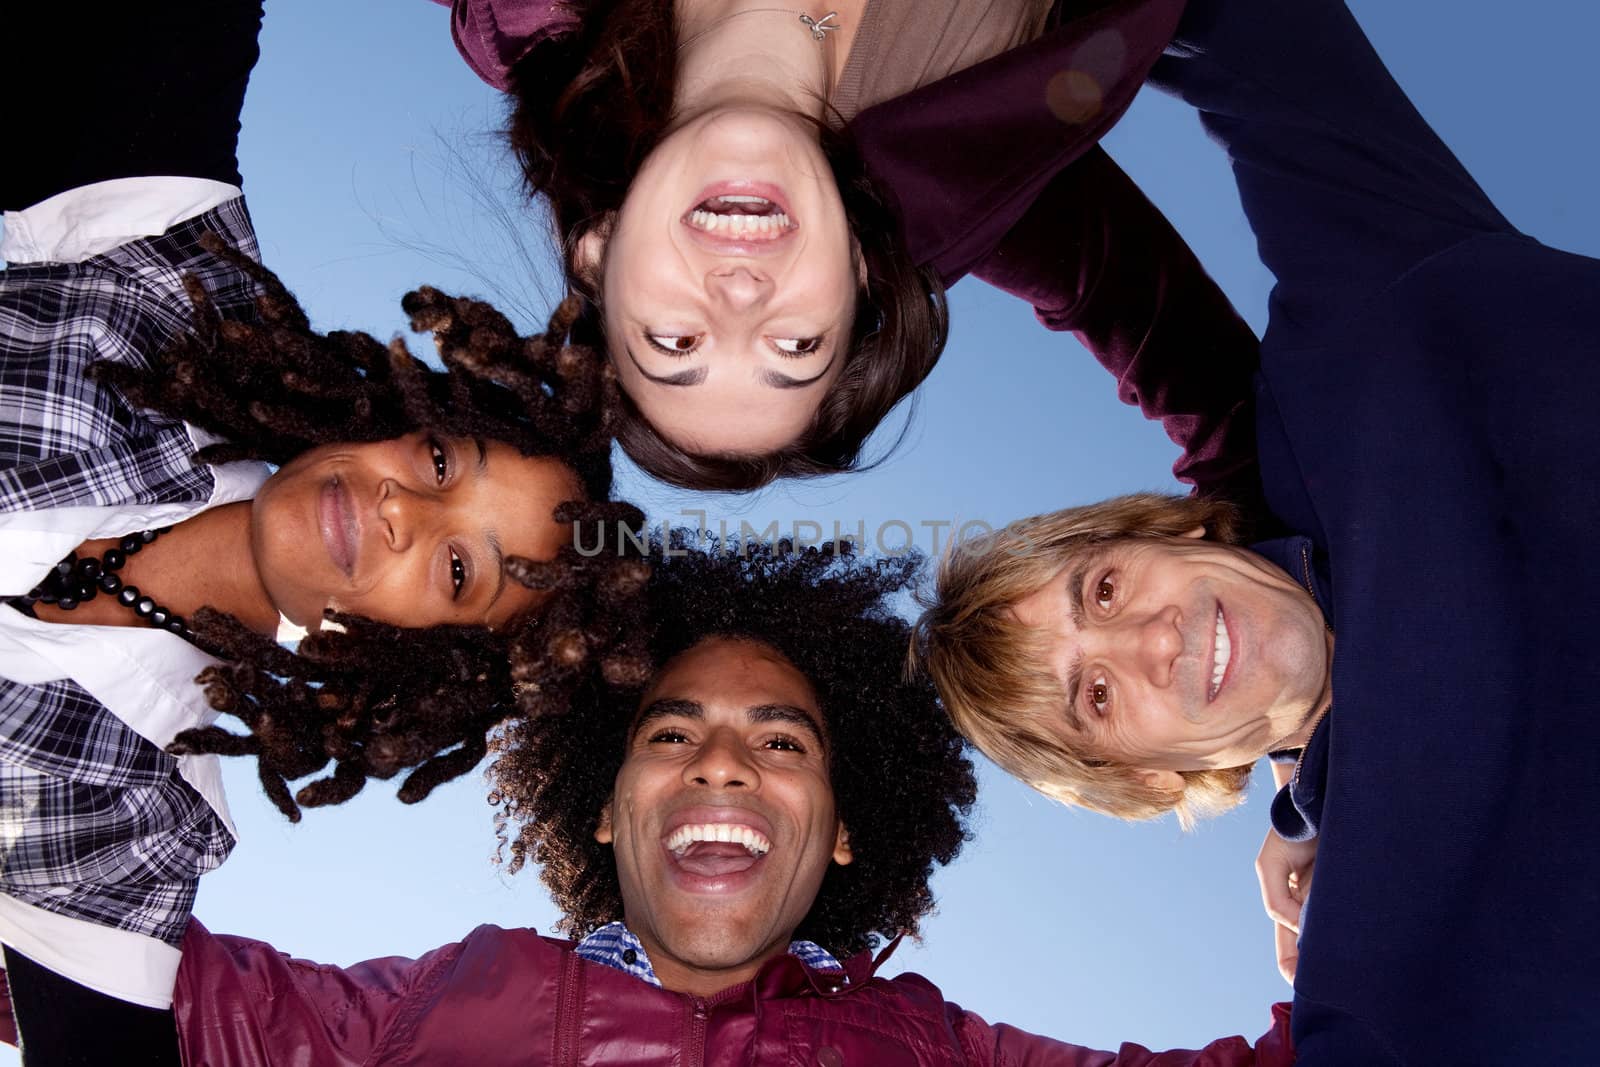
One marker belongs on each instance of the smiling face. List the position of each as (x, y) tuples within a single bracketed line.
[(729, 282), (722, 819), (1180, 654), (411, 531)]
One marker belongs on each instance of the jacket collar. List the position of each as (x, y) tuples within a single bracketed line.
[(1297, 809), (614, 945)]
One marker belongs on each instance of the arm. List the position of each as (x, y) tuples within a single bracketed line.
[(1007, 1046), (239, 1001), (1343, 182), (1094, 256), (155, 89)]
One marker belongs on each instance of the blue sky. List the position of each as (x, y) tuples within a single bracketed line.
[(370, 167)]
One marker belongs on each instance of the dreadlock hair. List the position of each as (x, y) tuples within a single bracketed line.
[(902, 782), (588, 107), (372, 698)]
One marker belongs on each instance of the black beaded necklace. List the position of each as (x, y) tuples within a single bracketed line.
[(79, 579)]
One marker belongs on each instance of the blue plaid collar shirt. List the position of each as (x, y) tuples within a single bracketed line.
[(105, 835), (614, 945)]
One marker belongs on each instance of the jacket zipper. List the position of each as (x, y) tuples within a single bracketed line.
[(695, 1046)]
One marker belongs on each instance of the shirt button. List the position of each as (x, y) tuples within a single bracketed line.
[(630, 957), (828, 1056)]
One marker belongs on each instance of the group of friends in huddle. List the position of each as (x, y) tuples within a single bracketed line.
[(734, 765)]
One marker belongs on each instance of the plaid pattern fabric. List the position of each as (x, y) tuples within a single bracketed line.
[(65, 440), (95, 822), (615, 946)]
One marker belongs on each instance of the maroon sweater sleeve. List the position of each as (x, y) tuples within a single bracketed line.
[(240, 1003), (1094, 256), (1006, 1046)]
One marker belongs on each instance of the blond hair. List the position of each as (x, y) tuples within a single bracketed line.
[(986, 663)]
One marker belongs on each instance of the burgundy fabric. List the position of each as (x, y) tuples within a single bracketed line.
[(504, 997), (491, 36), (995, 171), (8, 1022), (967, 155), (1094, 257)]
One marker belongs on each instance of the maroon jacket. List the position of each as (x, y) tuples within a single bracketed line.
[(996, 171), (513, 998)]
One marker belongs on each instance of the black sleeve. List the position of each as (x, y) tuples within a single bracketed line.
[(64, 1024), (105, 90)]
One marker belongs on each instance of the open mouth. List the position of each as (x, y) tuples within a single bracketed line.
[(745, 217), (1221, 656), (716, 850)]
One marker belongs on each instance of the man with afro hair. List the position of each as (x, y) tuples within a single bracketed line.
[(728, 840)]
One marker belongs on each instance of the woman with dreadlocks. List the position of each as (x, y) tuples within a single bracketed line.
[(418, 523)]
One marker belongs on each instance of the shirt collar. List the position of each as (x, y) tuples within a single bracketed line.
[(614, 945)]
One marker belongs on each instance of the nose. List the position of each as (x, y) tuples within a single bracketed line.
[(722, 762), (739, 288), (405, 514), (1158, 643)]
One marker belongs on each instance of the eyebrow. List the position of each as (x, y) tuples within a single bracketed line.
[(787, 713), (783, 381), (759, 713), (495, 548), (499, 566), (697, 375), (693, 376)]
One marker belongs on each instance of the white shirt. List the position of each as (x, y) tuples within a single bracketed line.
[(143, 676), (81, 223)]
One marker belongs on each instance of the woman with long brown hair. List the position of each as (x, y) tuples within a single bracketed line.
[(762, 207)]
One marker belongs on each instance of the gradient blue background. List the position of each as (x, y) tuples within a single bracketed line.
[(370, 167)]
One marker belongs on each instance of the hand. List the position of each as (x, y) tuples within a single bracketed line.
[(1284, 870)]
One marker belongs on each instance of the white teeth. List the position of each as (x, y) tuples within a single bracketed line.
[(754, 841), (1224, 653), (744, 199), (739, 225)]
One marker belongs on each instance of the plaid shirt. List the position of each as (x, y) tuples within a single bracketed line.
[(614, 945), (97, 823)]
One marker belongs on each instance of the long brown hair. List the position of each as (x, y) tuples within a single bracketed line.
[(588, 108)]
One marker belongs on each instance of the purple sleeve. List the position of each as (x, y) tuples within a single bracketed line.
[(964, 157), (1094, 256), (492, 35), (1006, 1046)]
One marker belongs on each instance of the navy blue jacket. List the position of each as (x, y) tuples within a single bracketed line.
[(1425, 417)]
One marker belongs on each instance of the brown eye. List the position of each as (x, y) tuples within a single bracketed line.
[(1104, 593), (1099, 696), (674, 344), (441, 460), (797, 346), (458, 574)]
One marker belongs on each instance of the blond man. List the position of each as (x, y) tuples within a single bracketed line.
[(1425, 422)]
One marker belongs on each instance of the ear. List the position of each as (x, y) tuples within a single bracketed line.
[(590, 252), (1198, 533), (602, 833), (1163, 781), (841, 847)]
